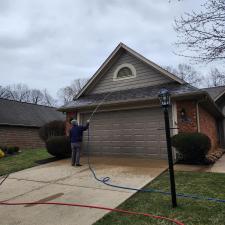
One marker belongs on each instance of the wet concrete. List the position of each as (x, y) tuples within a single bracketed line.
[(218, 167), (58, 181), (191, 168)]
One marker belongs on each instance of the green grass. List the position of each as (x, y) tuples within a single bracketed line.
[(190, 212), (25, 159)]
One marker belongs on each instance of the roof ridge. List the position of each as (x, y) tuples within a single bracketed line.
[(215, 87), (30, 103)]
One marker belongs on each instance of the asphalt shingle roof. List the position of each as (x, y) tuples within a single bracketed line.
[(149, 92), (26, 114), (215, 91)]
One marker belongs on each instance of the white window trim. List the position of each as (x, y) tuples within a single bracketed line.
[(130, 66)]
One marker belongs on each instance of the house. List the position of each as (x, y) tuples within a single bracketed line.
[(20, 122), (129, 119)]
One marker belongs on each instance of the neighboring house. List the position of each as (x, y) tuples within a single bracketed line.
[(218, 96), (20, 122), (130, 120)]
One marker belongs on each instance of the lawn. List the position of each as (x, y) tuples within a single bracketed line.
[(190, 212), (25, 159)]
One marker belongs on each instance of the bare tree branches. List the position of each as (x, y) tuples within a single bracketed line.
[(187, 73), (36, 96), (216, 78), (22, 93), (19, 92), (67, 93), (203, 33), (3, 92), (48, 99)]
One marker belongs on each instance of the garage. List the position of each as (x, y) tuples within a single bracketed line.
[(133, 132)]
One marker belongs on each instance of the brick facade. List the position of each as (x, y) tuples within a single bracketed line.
[(69, 116), (188, 124), (208, 126), (23, 137), (207, 123)]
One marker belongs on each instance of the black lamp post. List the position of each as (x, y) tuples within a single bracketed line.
[(164, 97)]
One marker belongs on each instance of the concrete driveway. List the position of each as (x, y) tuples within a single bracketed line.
[(58, 181)]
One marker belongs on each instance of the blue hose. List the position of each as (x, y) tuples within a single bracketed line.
[(105, 180)]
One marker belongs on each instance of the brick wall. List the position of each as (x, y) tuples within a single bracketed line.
[(188, 124), (208, 126), (69, 115), (22, 137), (207, 123)]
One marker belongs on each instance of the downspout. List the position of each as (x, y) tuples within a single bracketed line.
[(197, 112), (198, 120)]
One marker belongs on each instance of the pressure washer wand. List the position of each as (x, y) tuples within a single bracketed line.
[(96, 108)]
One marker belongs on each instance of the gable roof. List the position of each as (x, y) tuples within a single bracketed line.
[(26, 114), (110, 60), (215, 92)]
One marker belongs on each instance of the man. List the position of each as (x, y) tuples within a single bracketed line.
[(76, 136)]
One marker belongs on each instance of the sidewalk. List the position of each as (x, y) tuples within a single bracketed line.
[(218, 167)]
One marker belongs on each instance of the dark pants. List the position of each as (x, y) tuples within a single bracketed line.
[(76, 148)]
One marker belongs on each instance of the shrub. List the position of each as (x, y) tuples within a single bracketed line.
[(12, 150), (53, 128), (193, 147), (59, 146)]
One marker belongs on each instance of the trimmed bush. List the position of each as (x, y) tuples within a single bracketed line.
[(193, 147), (53, 128), (59, 146)]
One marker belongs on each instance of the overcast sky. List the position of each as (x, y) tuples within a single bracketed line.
[(49, 43)]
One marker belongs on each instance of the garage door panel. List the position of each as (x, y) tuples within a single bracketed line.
[(128, 132)]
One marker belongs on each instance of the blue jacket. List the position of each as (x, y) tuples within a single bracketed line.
[(76, 133)]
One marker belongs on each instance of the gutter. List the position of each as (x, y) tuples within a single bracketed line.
[(67, 109), (205, 100)]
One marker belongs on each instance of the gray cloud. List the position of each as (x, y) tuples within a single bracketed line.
[(48, 43)]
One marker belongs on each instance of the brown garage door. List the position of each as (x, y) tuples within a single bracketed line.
[(128, 132)]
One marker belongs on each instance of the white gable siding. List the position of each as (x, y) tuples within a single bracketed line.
[(146, 76)]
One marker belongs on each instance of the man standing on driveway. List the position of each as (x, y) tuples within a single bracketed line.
[(76, 136)]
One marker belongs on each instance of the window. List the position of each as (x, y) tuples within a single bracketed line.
[(124, 71)]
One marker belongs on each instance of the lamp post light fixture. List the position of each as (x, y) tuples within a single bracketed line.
[(164, 98)]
